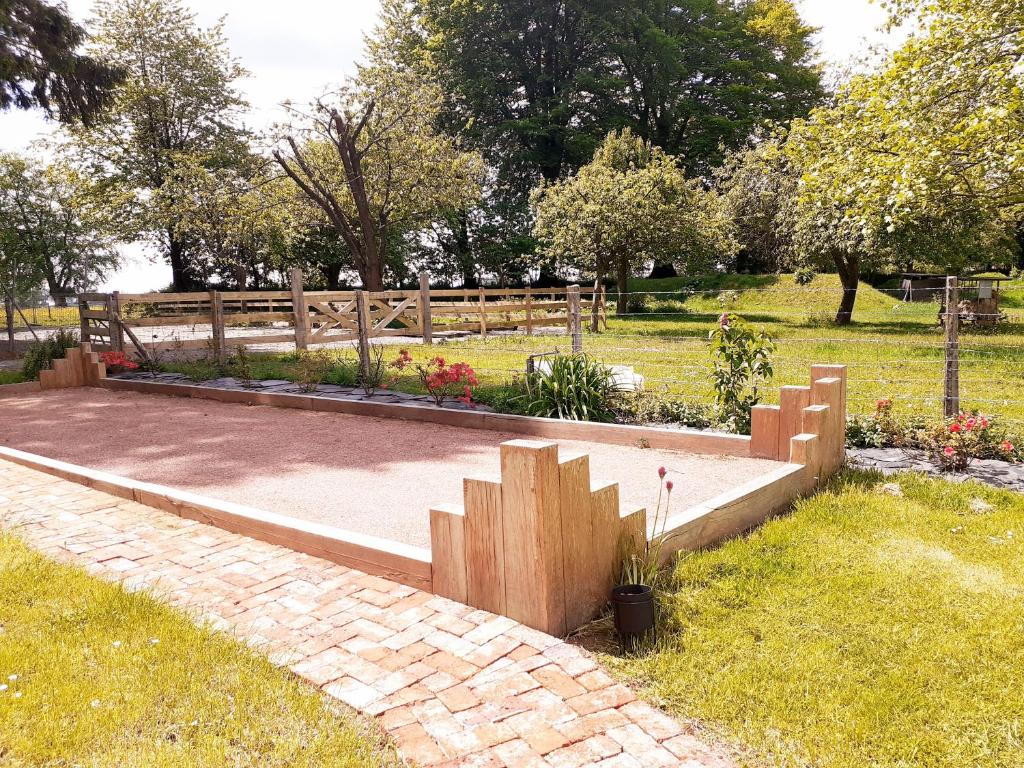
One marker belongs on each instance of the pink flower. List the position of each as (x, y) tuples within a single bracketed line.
[(724, 320), (669, 485), (984, 423), (969, 424), (662, 472), (949, 451), (1007, 446)]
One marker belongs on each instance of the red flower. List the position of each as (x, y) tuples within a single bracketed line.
[(955, 427), (669, 485), (1007, 446), (949, 450), (662, 472)]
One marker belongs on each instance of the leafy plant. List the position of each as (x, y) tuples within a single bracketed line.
[(575, 388), (647, 408), (118, 361), (953, 445), (241, 366), (311, 368), (440, 379), (376, 375), (742, 368), (643, 565), (41, 353), (879, 430)]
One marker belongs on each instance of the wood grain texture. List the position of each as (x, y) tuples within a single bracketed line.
[(764, 431), (485, 547), (448, 552), (792, 401), (607, 529), (532, 528), (579, 550)]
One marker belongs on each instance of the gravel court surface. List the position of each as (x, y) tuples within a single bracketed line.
[(368, 475)]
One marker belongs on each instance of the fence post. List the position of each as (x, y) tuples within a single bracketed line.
[(363, 322), (114, 322), (83, 322), (572, 297), (301, 319), (951, 396), (9, 319), (217, 326), (426, 320), (529, 312), (483, 313)]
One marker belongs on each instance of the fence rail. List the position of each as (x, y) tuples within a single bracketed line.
[(310, 318)]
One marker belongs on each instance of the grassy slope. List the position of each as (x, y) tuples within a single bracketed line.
[(96, 690), (863, 629)]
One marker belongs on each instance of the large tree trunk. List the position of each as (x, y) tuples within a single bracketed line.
[(622, 283), (849, 275), (180, 275)]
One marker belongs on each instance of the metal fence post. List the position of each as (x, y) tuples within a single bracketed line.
[(299, 310), (426, 320), (951, 395), (363, 321), (575, 318)]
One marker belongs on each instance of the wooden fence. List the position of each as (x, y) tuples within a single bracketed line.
[(309, 318)]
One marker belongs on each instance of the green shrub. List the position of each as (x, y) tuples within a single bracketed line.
[(40, 354), (577, 388), (804, 276), (742, 368), (647, 408)]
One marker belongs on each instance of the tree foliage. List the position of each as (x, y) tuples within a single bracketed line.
[(630, 205), (51, 229), (372, 159), (177, 107), (921, 159), (40, 65)]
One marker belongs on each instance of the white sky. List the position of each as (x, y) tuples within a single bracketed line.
[(294, 51)]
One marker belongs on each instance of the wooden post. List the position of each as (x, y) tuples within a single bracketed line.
[(529, 312), (951, 395), (114, 322), (426, 320), (9, 315), (363, 321), (483, 314), (83, 322), (575, 318), (217, 327), (301, 314)]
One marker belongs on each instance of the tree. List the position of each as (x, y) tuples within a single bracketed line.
[(699, 77), (238, 220), (40, 65), (51, 229), (373, 161), (177, 106), (759, 188), (630, 205)]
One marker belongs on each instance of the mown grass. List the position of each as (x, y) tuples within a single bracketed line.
[(894, 350), (11, 377), (43, 317), (94, 675), (864, 629)]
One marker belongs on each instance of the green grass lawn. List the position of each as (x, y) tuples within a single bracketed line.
[(11, 377), (94, 675), (893, 349), (863, 629)]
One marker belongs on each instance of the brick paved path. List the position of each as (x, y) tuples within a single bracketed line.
[(451, 685)]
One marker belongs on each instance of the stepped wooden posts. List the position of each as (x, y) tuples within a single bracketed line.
[(80, 367), (540, 545), (808, 426)]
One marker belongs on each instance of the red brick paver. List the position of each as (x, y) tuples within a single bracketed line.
[(452, 685)]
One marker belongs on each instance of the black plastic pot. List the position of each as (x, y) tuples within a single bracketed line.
[(633, 605)]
